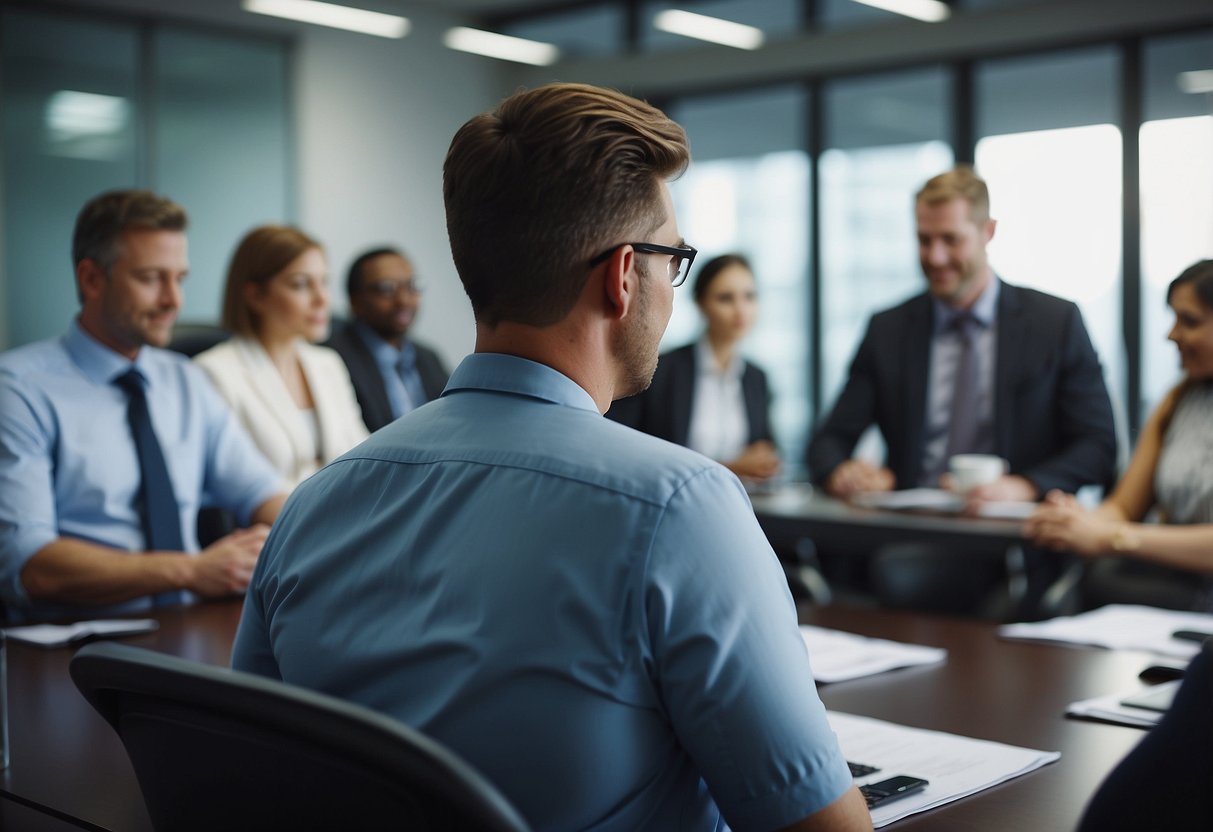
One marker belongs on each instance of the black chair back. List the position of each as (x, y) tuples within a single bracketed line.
[(215, 748)]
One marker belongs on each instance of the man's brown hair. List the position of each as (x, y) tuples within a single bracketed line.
[(549, 179), (100, 223), (961, 182)]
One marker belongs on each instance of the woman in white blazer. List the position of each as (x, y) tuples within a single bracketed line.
[(294, 398)]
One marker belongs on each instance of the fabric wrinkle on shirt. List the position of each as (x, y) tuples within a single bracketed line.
[(576, 594)]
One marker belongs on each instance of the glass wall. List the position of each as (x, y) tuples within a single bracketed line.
[(1050, 151), (70, 126), (91, 105), (1176, 191), (885, 136), (747, 191)]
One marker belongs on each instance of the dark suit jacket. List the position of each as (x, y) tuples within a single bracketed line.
[(664, 409), (1052, 417), (368, 383)]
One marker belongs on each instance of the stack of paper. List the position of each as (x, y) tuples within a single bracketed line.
[(955, 766), (836, 656), (1112, 708), (59, 635), (1119, 626)]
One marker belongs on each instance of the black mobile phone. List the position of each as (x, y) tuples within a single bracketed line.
[(884, 791), (1191, 635)]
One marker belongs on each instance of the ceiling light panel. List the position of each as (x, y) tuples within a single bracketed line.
[(711, 29), (502, 47), (332, 15)]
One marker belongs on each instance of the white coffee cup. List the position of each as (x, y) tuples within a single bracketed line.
[(971, 470)]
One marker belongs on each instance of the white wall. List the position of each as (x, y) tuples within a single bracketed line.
[(375, 118)]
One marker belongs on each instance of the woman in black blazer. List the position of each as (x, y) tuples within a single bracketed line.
[(705, 395)]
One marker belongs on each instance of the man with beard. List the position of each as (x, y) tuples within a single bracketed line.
[(109, 443), (1036, 396), (590, 616), (392, 373)]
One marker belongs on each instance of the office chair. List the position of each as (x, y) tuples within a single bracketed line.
[(189, 339), (215, 748)]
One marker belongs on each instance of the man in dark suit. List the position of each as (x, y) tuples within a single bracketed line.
[(1035, 394), (392, 374)]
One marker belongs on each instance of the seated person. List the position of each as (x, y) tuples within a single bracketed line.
[(392, 373), (293, 397), (1171, 469), (705, 395), (97, 518), (590, 616), (972, 365)]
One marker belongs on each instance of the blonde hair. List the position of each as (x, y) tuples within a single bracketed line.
[(961, 182), (262, 253)]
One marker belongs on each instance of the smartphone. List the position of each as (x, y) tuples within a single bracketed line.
[(1191, 635), (877, 794), (1156, 698)]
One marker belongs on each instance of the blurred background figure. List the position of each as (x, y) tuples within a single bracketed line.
[(705, 395), (292, 396), (1171, 472), (392, 373)]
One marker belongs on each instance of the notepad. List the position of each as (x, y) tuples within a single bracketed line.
[(61, 635), (1119, 627), (955, 766), (837, 656)]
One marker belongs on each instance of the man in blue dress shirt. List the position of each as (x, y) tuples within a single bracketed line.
[(73, 530), (392, 373), (590, 616)]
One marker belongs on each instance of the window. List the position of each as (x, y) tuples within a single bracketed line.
[(1050, 152), (747, 191), (886, 135), (1176, 193)]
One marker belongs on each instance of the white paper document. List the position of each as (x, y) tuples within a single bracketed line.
[(59, 635), (1121, 627), (1111, 708), (955, 766), (836, 656), (923, 499)]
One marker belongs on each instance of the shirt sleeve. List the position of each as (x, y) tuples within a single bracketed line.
[(238, 476), (27, 513), (730, 663)]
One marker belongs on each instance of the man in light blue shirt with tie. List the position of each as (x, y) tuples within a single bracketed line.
[(76, 538), (588, 615)]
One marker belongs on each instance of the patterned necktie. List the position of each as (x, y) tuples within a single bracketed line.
[(964, 427), (157, 503)]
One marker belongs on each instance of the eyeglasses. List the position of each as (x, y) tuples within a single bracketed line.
[(391, 288), (681, 258)]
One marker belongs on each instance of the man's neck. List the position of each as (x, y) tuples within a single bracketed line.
[(979, 288), (563, 346)]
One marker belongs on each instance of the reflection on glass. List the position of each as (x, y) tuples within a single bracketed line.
[(86, 125), (757, 206), (1056, 195)]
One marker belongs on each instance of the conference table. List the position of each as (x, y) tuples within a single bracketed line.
[(796, 515), (69, 770)]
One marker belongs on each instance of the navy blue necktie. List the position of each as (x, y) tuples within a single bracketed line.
[(964, 427), (157, 503)]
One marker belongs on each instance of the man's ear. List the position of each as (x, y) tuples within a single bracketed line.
[(90, 278), (991, 227), (620, 282)]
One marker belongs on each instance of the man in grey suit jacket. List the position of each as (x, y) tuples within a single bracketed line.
[(392, 374), (1041, 403)]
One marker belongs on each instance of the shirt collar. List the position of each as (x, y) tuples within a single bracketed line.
[(705, 361), (984, 309), (500, 373), (97, 361), (384, 353)]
